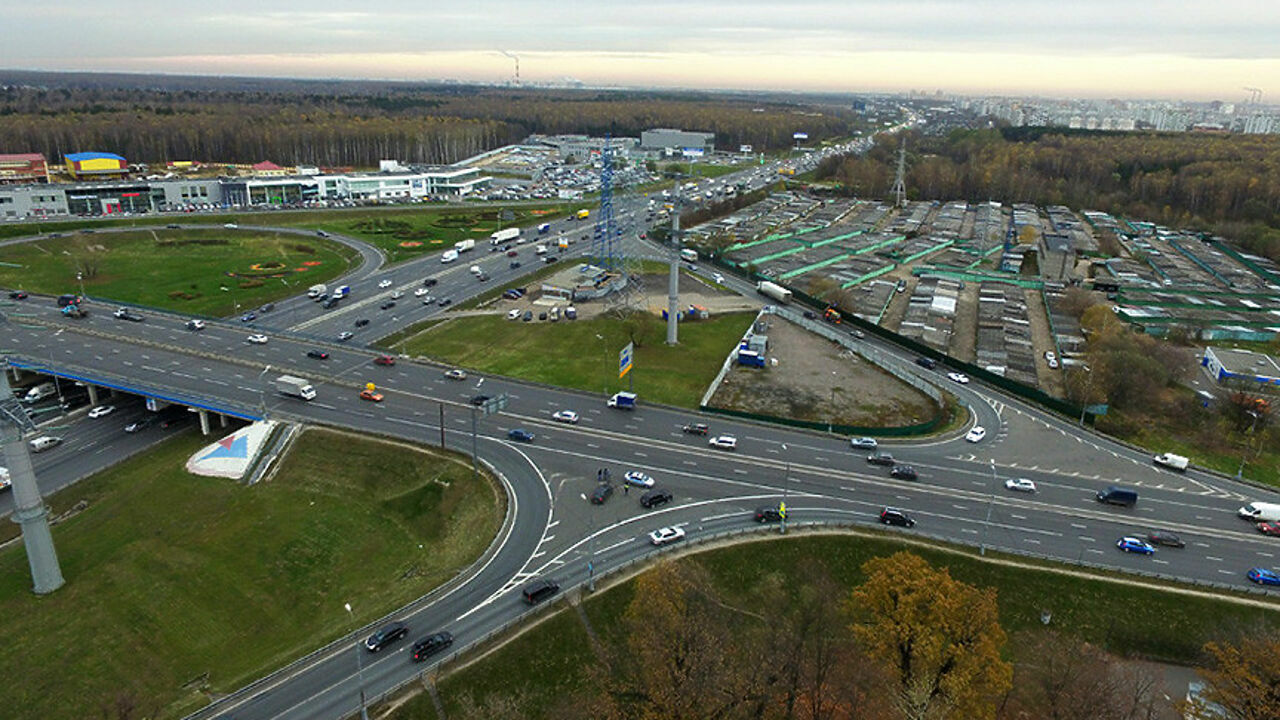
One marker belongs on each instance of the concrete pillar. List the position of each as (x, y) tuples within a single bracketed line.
[(222, 420), (204, 422), (93, 393), (29, 510)]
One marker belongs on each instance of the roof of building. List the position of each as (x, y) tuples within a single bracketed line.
[(22, 157), (266, 165), (1246, 362), (82, 156)]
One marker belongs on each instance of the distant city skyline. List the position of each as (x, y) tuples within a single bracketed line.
[(1163, 49)]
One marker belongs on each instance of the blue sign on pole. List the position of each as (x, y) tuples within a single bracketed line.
[(624, 361)]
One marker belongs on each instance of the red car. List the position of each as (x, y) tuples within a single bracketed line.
[(384, 360), (512, 253), (1269, 528)]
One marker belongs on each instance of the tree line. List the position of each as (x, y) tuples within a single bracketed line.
[(1230, 183), (359, 125)]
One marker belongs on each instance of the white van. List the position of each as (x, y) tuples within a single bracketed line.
[(40, 392), (475, 270), (540, 250), (449, 256), (1260, 512), (44, 442)]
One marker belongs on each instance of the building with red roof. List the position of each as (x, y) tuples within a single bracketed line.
[(23, 168)]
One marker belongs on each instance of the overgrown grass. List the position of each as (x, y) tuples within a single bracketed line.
[(177, 583), (569, 353), (203, 272), (1123, 619)]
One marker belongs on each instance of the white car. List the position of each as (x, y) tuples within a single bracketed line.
[(427, 300), (958, 377), (420, 292), (565, 416), (384, 284), (976, 434), (102, 411), (456, 374), (513, 314), (637, 479), (397, 295), (1051, 361), (1019, 485), (665, 535), (718, 278), (258, 339), (863, 443), (724, 442)]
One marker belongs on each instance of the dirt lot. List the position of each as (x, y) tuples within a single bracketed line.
[(820, 381), (693, 291)]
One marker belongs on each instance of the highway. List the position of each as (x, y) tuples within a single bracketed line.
[(552, 530)]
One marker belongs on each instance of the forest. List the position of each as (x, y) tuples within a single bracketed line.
[(335, 124), (1226, 183)]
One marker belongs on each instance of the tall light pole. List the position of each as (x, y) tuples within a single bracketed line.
[(1244, 454), (604, 352), (364, 714), (1087, 393), (80, 279), (786, 483), (991, 499), (262, 392)]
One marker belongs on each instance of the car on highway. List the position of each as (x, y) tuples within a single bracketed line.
[(18, 295), (637, 479), (768, 513), (387, 305), (456, 374), (5, 481), (956, 377), (428, 282), (904, 472), (361, 322), (1263, 576), (385, 636), (444, 301), (258, 339), (371, 395), (881, 458), (127, 314), (1269, 528), (566, 416), (894, 516), (385, 284), (724, 442), (386, 360), (1020, 485), (345, 335), (101, 411), (195, 325), (926, 363), (654, 498), (514, 264), (1165, 538), (479, 400), (428, 300), (695, 429), (512, 253), (430, 645), (863, 443), (318, 354), (665, 535), (397, 295), (601, 494), (858, 334), (248, 317), (1132, 544), (420, 292), (976, 434), (520, 435), (141, 423), (539, 589)]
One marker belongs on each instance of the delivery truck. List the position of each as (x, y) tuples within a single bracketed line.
[(504, 235), (544, 228), (773, 290), (623, 401), (689, 255), (1260, 512), (316, 291), (295, 387), (464, 245), (1171, 461)]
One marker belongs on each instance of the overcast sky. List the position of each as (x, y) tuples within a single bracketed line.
[(1129, 48)]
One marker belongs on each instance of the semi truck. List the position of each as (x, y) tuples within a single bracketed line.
[(464, 245), (295, 387), (623, 401), (1171, 461), (505, 235), (773, 290)]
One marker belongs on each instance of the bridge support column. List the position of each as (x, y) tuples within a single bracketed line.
[(15, 375), (93, 394), (204, 422), (222, 420)]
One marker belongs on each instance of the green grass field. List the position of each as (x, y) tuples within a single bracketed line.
[(569, 353), (1165, 626), (182, 270), (176, 582)]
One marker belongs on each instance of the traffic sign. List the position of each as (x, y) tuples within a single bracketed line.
[(624, 360)]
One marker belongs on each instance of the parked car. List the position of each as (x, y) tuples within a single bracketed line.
[(601, 494), (903, 472), (1131, 544), (566, 416), (385, 636), (880, 458), (430, 645), (724, 442), (654, 498), (663, 536), (894, 516), (520, 435), (1020, 485), (696, 429), (863, 443), (637, 479), (1165, 538)]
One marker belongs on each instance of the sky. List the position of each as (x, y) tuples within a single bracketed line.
[(1070, 48)]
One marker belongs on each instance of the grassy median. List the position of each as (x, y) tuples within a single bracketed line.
[(179, 586)]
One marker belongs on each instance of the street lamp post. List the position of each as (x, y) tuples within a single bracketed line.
[(1084, 405), (786, 483), (991, 499), (364, 714), (1244, 454), (262, 393), (604, 352), (80, 279)]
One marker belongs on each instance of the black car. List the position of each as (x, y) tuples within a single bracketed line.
[(444, 301), (550, 259), (428, 282), (880, 458), (768, 514), (330, 304), (926, 363), (696, 429), (654, 498), (903, 472), (388, 305), (387, 635), (542, 315), (479, 400), (810, 315), (430, 645), (18, 295), (1165, 538), (528, 316), (601, 494), (141, 423), (318, 354), (362, 322), (894, 516), (267, 308), (515, 264)]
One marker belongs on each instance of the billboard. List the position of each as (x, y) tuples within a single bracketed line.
[(745, 148), (692, 152), (799, 136)]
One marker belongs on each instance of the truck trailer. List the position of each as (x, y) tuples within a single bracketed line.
[(295, 387), (504, 235), (773, 290)]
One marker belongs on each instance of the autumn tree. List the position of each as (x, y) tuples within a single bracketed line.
[(1242, 680), (1058, 677), (937, 639)]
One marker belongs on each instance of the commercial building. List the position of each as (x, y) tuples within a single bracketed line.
[(583, 147), (32, 201), (95, 165), (1242, 368), (23, 168), (667, 141)]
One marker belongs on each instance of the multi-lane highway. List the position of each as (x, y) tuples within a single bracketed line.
[(553, 530)]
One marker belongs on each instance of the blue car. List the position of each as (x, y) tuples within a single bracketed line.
[(520, 435), (1262, 576), (1135, 545), (249, 317)]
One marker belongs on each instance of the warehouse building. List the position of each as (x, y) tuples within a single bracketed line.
[(666, 141), (96, 165), (23, 168), (32, 201), (1234, 367)]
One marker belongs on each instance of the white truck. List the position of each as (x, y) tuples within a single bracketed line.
[(504, 235), (316, 291), (40, 392), (1260, 512), (464, 245), (1171, 461), (689, 255), (773, 290), (449, 256), (295, 387)]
